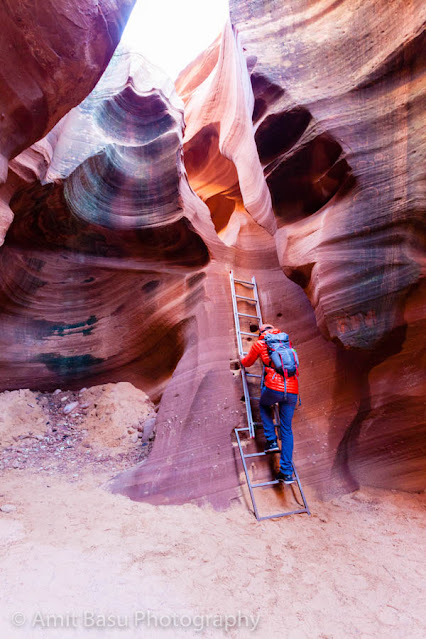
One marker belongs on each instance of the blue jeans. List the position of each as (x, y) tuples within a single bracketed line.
[(286, 409)]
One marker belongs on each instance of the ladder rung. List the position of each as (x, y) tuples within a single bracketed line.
[(292, 512), (252, 375), (266, 483), (246, 299), (257, 454), (244, 282), (254, 397), (245, 315), (245, 333), (245, 430)]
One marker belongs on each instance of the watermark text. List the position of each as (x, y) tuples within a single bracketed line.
[(137, 619)]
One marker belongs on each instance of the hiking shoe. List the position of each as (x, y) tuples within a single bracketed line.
[(271, 447), (287, 479)]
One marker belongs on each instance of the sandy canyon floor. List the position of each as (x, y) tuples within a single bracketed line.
[(77, 561)]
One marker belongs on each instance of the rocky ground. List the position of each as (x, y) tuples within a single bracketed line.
[(77, 561), (67, 431)]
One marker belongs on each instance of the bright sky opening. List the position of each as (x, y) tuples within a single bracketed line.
[(171, 33)]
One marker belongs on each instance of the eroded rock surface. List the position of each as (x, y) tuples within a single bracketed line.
[(335, 147), (105, 239), (290, 156), (53, 53), (347, 85)]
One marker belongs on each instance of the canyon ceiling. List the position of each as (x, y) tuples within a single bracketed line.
[(291, 149)]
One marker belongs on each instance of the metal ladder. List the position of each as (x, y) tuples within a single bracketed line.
[(251, 424)]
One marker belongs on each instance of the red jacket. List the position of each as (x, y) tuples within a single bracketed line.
[(272, 379)]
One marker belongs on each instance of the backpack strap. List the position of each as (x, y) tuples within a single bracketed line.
[(296, 361)]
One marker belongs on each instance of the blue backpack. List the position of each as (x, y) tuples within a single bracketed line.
[(283, 357)]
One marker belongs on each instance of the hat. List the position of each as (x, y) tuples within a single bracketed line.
[(265, 327)]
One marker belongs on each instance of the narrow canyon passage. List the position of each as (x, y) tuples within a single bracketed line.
[(148, 150), (122, 223)]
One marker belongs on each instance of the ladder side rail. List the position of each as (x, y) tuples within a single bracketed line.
[(236, 318), (256, 297), (259, 312), (247, 403)]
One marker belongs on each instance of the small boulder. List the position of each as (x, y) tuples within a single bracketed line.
[(148, 429), (70, 407), (7, 508)]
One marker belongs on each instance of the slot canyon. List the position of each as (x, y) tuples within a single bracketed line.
[(290, 150)]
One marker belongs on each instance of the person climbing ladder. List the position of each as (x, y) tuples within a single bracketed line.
[(279, 386)]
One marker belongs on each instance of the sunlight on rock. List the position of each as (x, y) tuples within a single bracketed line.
[(171, 33)]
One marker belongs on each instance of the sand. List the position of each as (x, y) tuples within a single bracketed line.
[(355, 568), (77, 561)]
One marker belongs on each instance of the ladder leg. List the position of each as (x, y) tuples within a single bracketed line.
[(247, 474), (305, 503)]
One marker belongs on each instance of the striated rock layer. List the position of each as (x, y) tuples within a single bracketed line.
[(346, 199), (349, 201), (345, 223), (289, 155), (358, 257), (52, 53), (96, 267)]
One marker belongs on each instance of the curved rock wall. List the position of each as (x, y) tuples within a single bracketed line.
[(346, 197), (53, 53), (349, 199), (95, 264), (296, 163), (353, 69)]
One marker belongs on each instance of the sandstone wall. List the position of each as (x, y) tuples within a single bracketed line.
[(290, 154)]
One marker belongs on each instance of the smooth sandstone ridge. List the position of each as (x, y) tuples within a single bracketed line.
[(53, 53), (289, 152)]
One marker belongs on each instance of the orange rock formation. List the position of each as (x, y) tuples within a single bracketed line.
[(289, 155)]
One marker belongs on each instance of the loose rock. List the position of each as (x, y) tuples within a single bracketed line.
[(70, 407), (7, 508)]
